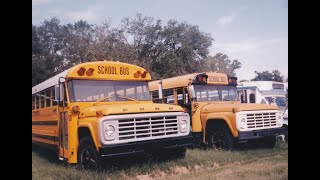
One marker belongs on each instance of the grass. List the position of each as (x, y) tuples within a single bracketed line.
[(198, 164)]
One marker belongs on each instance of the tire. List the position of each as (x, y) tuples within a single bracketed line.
[(88, 157), (269, 142), (286, 134), (219, 137)]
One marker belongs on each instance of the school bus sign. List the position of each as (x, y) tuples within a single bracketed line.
[(110, 71)]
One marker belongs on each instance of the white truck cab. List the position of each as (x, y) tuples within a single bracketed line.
[(265, 92)]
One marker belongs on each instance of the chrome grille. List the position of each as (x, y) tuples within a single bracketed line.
[(261, 120), (135, 128)]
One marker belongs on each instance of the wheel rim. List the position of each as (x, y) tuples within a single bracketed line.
[(88, 158)]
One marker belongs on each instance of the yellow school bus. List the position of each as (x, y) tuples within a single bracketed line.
[(104, 109), (218, 119)]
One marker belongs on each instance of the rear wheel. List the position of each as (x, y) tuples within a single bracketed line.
[(87, 154), (218, 137)]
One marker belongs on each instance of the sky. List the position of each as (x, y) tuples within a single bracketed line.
[(253, 31)]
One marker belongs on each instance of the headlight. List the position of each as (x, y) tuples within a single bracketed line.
[(243, 123), (110, 130), (110, 133), (183, 126)]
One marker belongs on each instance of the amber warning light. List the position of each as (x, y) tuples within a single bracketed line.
[(140, 74), (233, 81), (82, 71), (89, 72), (200, 79)]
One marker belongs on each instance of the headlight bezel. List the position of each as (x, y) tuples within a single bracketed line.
[(241, 121), (114, 135), (279, 117), (183, 120)]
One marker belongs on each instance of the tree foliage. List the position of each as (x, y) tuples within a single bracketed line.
[(164, 49), (275, 75), (221, 63)]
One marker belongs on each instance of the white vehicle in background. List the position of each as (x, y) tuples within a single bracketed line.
[(265, 92)]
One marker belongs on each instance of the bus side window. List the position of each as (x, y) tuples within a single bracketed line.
[(252, 98), (53, 96), (42, 99), (155, 96), (168, 96), (37, 102), (47, 94), (33, 103)]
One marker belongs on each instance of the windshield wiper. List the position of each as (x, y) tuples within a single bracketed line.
[(102, 99), (118, 96), (124, 97)]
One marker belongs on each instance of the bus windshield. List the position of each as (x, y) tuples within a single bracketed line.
[(102, 90), (281, 102), (215, 93)]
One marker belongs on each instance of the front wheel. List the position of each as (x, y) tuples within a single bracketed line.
[(87, 154), (220, 137)]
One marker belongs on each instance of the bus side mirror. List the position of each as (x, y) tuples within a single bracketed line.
[(160, 91), (59, 93), (192, 92)]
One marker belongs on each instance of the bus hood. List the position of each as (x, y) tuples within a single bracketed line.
[(236, 107), (112, 109)]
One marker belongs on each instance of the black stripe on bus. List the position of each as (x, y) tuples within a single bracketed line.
[(52, 138), (44, 122)]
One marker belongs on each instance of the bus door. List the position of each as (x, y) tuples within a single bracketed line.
[(183, 99), (63, 123)]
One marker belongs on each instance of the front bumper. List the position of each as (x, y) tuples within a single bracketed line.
[(146, 146), (260, 133)]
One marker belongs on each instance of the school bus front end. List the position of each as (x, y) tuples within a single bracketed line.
[(106, 111), (219, 120), (145, 128), (238, 123)]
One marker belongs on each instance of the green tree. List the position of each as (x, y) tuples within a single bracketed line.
[(275, 75), (164, 49), (222, 64)]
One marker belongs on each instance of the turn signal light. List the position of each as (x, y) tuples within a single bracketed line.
[(99, 114)]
